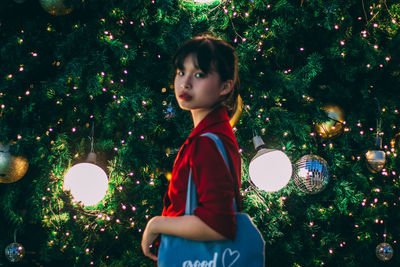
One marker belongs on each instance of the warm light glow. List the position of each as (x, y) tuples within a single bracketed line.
[(87, 182), (270, 170)]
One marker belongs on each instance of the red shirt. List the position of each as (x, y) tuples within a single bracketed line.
[(214, 182)]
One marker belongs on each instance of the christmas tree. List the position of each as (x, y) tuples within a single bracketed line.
[(319, 81)]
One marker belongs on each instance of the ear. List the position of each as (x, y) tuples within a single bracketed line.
[(226, 87)]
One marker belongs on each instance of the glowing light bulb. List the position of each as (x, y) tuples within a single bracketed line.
[(87, 182), (270, 170)]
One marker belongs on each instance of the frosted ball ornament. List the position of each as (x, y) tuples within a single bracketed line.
[(14, 252), (384, 251), (270, 169), (311, 174), (87, 182)]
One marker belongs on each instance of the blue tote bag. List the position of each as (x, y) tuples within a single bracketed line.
[(246, 250)]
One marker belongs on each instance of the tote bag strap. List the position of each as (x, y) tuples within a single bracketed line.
[(191, 197)]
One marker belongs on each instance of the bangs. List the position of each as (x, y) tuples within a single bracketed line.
[(203, 52)]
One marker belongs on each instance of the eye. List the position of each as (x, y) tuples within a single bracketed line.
[(199, 75), (180, 73)]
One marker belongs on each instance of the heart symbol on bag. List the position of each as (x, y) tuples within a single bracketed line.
[(229, 257)]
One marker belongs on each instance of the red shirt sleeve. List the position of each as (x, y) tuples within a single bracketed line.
[(215, 187)]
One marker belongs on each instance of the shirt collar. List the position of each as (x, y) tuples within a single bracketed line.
[(218, 115)]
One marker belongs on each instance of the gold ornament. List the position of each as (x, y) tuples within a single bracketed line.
[(168, 175), (12, 168), (394, 141), (236, 116), (334, 125), (56, 7)]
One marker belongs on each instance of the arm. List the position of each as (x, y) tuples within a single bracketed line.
[(189, 227)]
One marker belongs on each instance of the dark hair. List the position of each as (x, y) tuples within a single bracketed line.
[(213, 54)]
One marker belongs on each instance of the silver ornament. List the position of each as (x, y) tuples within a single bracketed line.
[(376, 160), (384, 251), (311, 174), (15, 252)]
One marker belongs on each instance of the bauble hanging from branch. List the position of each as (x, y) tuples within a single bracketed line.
[(56, 7), (384, 251), (333, 126), (12, 168), (169, 112), (14, 252), (376, 158), (270, 169), (311, 174), (87, 182)]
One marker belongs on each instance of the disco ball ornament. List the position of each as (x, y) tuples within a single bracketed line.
[(169, 112), (56, 7), (311, 174), (384, 251), (12, 168), (14, 252), (334, 125)]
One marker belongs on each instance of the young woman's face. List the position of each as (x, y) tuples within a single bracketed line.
[(196, 91)]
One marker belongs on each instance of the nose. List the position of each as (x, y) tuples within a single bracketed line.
[(186, 82)]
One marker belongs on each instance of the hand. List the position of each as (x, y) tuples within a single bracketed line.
[(148, 238)]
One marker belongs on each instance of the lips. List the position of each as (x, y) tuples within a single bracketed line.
[(185, 96)]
